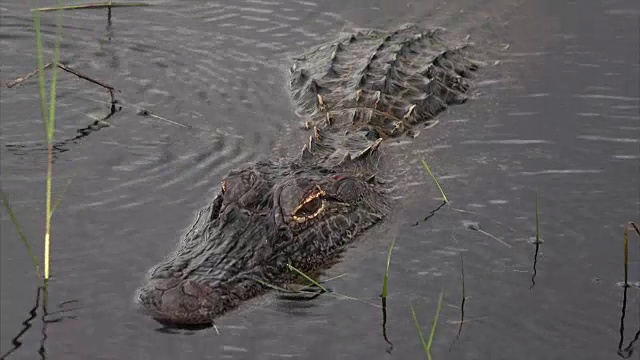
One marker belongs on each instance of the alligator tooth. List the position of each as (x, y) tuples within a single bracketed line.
[(316, 132), (377, 97), (328, 119), (358, 94)]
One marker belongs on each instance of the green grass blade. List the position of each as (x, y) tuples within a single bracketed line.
[(40, 67), (54, 77), (435, 180), (422, 341), (307, 277), (386, 273), (626, 257), (426, 345), (434, 325), (537, 222), (274, 287), (14, 219), (59, 200)]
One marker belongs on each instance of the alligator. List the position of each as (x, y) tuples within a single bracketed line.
[(301, 212)]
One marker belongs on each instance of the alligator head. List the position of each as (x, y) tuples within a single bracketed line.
[(265, 217)]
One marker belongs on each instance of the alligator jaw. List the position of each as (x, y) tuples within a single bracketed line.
[(213, 269), (178, 302)]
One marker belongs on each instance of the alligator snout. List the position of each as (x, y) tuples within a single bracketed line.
[(178, 301)]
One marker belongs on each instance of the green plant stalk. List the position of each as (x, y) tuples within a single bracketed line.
[(435, 180), (626, 256), (14, 219), (50, 133), (307, 277), (48, 118), (433, 326), (59, 200), (422, 341), (537, 222), (40, 66), (292, 268), (426, 345), (386, 273)]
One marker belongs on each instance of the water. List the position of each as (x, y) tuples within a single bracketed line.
[(558, 115)]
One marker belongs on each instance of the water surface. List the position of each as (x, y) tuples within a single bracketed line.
[(555, 112)]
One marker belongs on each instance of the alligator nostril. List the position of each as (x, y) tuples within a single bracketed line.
[(191, 304)]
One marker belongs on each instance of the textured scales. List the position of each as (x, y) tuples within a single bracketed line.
[(378, 83), (302, 211)]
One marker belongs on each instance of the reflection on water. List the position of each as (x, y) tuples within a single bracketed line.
[(626, 351), (46, 318)]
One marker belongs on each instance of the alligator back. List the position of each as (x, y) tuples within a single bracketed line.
[(376, 84)]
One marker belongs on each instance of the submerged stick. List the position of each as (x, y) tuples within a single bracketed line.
[(464, 298), (537, 250), (20, 80), (108, 5), (85, 77), (61, 66), (476, 228)]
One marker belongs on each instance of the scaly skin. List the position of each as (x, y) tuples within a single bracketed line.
[(358, 91)]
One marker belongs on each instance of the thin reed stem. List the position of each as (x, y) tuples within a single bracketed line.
[(424, 163)]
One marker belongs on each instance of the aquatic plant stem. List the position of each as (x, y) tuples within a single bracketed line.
[(40, 67), (50, 133), (426, 345), (48, 118), (14, 219), (630, 225), (424, 163), (47, 233), (537, 222), (386, 272), (626, 257), (434, 325)]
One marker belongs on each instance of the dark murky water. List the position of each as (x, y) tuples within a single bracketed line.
[(559, 115)]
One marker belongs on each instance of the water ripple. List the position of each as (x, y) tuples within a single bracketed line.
[(609, 139)]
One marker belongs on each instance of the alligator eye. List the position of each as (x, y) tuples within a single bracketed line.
[(310, 207)]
